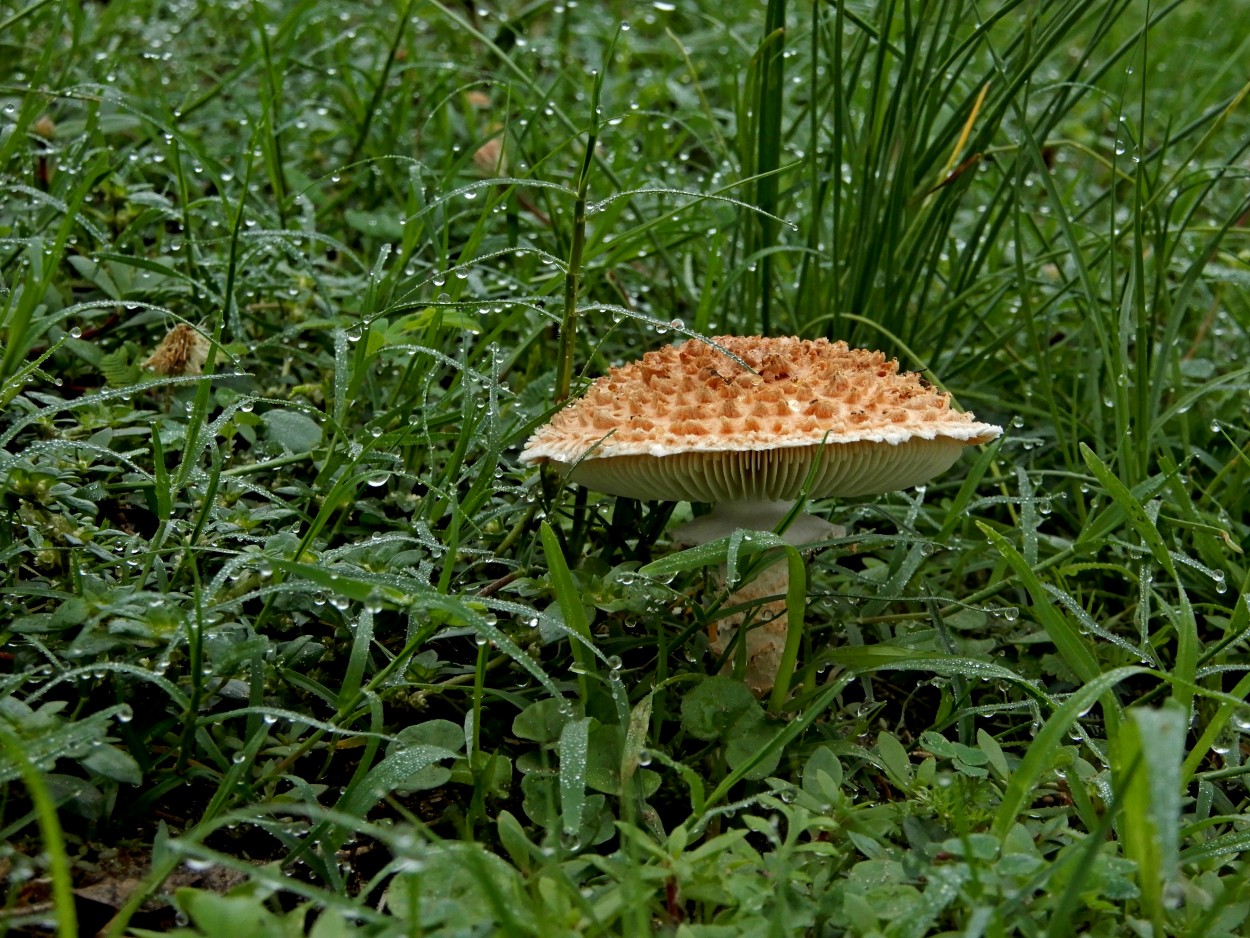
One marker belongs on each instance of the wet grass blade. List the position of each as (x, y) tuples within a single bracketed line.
[(570, 603), (50, 831), (1187, 641), (574, 746), (1046, 743), (1147, 767), (1072, 647), (768, 111)]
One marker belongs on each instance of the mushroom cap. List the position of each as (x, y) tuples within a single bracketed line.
[(690, 423)]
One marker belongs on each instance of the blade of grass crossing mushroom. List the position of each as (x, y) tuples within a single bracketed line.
[(731, 551), (713, 552), (796, 596), (796, 605)]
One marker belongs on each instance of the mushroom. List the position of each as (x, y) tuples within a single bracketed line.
[(742, 423)]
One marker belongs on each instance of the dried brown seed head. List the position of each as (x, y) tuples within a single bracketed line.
[(183, 351)]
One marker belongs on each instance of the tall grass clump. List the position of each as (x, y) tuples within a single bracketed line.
[(291, 644)]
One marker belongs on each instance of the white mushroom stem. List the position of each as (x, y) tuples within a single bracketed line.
[(766, 639), (727, 517)]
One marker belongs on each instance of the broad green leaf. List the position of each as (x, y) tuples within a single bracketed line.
[(542, 721), (461, 889), (442, 733), (993, 754), (636, 736), (111, 762), (746, 748), (292, 430), (438, 733), (358, 658), (715, 706), (382, 225), (333, 926), (939, 745), (822, 775), (942, 886), (514, 840), (238, 915), (895, 760)]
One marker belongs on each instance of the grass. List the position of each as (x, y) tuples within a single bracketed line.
[(295, 646)]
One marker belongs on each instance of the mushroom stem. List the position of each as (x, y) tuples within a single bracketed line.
[(765, 643)]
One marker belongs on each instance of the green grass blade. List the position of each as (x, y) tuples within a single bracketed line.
[(1147, 767), (768, 113), (570, 603), (790, 731), (1069, 642), (50, 831), (1045, 744), (574, 746), (1184, 621)]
